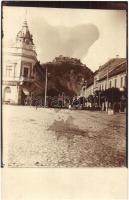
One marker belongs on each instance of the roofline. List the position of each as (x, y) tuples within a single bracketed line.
[(115, 65), (110, 76)]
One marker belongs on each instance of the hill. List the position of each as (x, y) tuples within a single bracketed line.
[(66, 75)]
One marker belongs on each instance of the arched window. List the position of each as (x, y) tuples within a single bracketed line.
[(7, 92), (7, 89)]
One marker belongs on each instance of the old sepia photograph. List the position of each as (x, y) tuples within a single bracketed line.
[(64, 87)]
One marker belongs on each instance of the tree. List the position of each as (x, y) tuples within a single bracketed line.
[(112, 95)]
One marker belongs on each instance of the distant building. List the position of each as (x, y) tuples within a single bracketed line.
[(20, 72), (87, 88), (61, 59), (111, 74)]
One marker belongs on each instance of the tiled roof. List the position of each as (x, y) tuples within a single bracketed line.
[(119, 69), (113, 62), (112, 67)]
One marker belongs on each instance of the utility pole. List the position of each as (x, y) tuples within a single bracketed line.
[(99, 99), (106, 103), (107, 76), (45, 100)]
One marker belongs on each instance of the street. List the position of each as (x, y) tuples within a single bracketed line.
[(63, 138)]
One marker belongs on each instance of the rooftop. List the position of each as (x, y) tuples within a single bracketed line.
[(112, 67), (24, 34)]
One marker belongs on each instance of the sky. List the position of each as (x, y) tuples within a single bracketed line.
[(93, 36)]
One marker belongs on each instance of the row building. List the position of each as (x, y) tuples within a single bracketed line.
[(113, 74)]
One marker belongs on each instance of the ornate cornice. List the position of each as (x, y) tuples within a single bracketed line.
[(24, 55)]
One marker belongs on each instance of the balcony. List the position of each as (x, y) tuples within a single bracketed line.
[(26, 79)]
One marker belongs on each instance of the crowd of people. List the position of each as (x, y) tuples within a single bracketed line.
[(96, 102)]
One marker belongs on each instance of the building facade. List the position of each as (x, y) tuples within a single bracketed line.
[(20, 78), (112, 74)]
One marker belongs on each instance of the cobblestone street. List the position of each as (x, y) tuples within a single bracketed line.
[(63, 138)]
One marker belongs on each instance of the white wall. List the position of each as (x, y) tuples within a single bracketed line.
[(14, 57), (88, 91), (112, 79), (13, 96), (97, 85)]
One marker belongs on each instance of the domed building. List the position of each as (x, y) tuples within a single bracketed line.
[(22, 76)]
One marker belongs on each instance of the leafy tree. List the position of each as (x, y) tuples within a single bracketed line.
[(112, 95)]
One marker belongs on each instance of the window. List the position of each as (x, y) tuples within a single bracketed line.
[(105, 85), (7, 90), (125, 82), (110, 84), (115, 83), (7, 94), (121, 82), (9, 70), (26, 70)]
